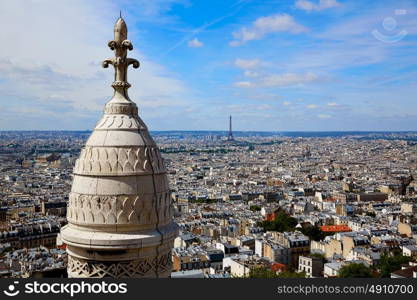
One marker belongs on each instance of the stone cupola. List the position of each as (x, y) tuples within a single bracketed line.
[(120, 221)]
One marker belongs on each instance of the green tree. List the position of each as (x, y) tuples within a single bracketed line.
[(255, 208), (319, 255), (262, 273), (282, 222), (371, 214), (355, 270), (290, 274), (390, 263), (313, 232)]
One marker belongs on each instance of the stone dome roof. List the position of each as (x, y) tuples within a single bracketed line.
[(120, 207)]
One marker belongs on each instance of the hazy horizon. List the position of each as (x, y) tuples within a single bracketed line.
[(234, 131), (296, 65)]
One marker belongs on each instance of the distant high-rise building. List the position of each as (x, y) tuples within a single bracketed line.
[(120, 212), (307, 152), (230, 136)]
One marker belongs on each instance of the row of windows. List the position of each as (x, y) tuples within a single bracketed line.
[(33, 243), (305, 269), (195, 265), (306, 262)]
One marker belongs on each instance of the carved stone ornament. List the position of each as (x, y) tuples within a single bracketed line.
[(149, 267)]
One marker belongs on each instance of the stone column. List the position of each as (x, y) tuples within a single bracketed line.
[(120, 221)]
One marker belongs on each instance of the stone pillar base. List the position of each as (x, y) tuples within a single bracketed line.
[(152, 267)]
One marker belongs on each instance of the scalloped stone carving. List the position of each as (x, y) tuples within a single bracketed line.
[(112, 161), (121, 210), (120, 122)]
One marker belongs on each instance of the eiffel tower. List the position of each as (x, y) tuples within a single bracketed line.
[(230, 136)]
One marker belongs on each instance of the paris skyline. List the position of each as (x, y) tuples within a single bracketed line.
[(273, 65)]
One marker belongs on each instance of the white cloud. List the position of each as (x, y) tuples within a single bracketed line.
[(311, 106), (286, 103), (349, 43), (249, 73), (288, 79), (60, 53), (243, 84), (247, 63), (321, 5), (265, 107), (332, 104), (323, 116), (195, 43), (265, 25), (248, 108), (281, 80)]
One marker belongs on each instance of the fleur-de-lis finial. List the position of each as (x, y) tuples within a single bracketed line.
[(120, 44)]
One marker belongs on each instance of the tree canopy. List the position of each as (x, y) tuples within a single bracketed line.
[(282, 222), (268, 273), (314, 233), (355, 270), (290, 274), (255, 208), (262, 273), (390, 263)]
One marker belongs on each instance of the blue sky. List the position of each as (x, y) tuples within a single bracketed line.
[(274, 65)]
